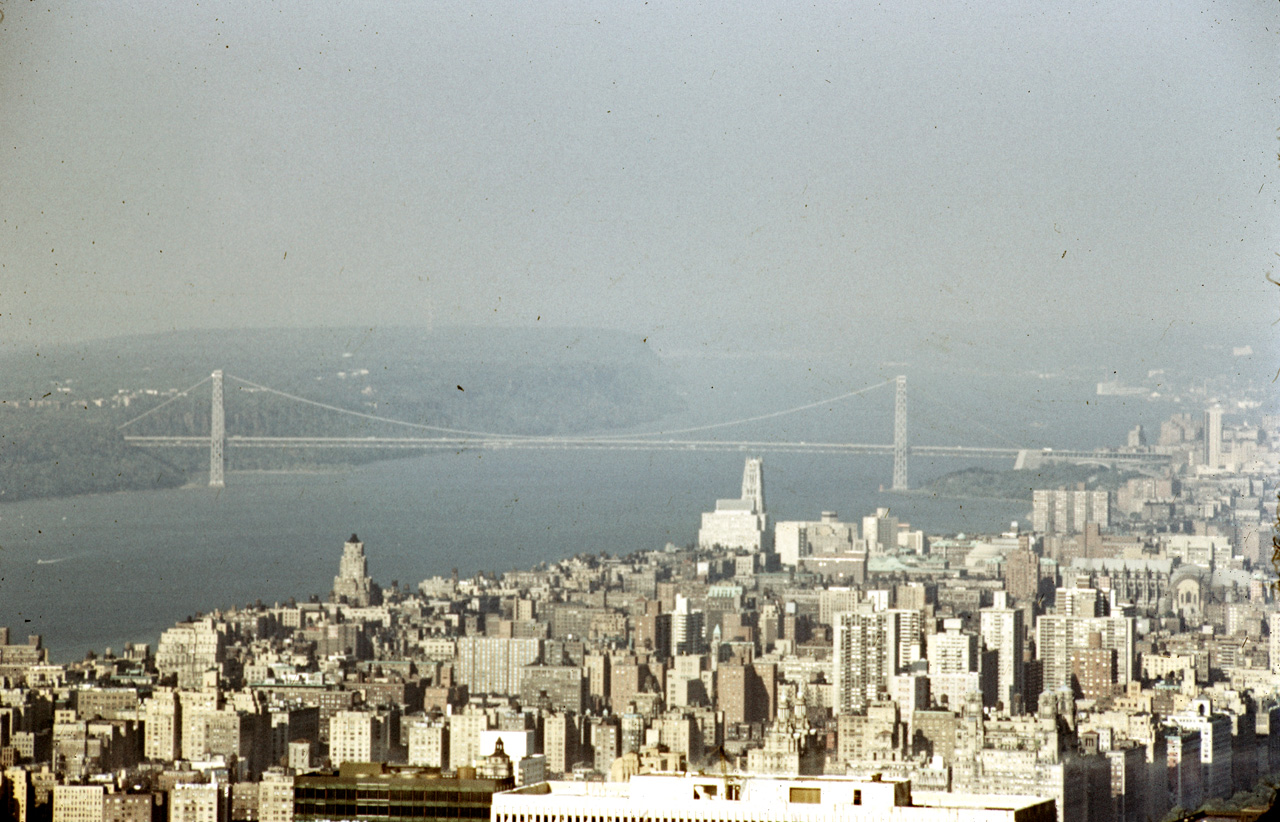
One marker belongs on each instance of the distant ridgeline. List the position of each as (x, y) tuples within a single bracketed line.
[(506, 381), (1019, 484)]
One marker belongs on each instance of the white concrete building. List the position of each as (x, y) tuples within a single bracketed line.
[(495, 665), (686, 628), (464, 737), (740, 523), (188, 649), (163, 726), (77, 803), (1058, 636), (275, 797), (358, 736), (1003, 631), (428, 743), (867, 650), (794, 539), (199, 803), (1213, 437), (1215, 745), (880, 531), (707, 798)]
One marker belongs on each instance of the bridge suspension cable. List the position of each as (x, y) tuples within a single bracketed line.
[(177, 396), (542, 437), (367, 416), (757, 418)]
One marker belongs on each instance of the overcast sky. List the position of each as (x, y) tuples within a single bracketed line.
[(698, 174)]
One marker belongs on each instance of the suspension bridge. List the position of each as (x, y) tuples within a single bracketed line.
[(443, 438)]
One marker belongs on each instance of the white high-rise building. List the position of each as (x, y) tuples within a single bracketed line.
[(1058, 637), (275, 797), (1068, 512), (358, 736), (909, 625), (189, 649), (558, 742), (687, 629), (953, 651), (740, 523), (162, 736), (464, 737), (190, 802), (1213, 437), (880, 531), (954, 664), (1215, 745), (429, 743), (867, 652), (495, 665), (77, 803), (1003, 632)]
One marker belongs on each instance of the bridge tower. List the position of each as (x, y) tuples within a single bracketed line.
[(217, 436), (900, 447)]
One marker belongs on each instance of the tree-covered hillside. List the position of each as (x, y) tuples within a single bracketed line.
[(64, 453), (1021, 483), (501, 381)]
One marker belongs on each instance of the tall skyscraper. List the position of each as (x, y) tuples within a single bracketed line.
[(1003, 632), (867, 651), (687, 628), (352, 585), (1213, 437), (753, 482), (558, 742), (1058, 637)]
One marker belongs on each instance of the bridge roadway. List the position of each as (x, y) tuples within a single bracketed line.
[(637, 444)]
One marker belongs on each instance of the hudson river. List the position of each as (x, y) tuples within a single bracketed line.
[(98, 571)]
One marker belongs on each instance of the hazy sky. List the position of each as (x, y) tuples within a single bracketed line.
[(698, 174)]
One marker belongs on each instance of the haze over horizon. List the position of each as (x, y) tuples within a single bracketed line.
[(761, 177)]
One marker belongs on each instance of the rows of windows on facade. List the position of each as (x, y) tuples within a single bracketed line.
[(1116, 661)]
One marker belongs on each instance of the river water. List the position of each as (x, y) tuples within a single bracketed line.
[(98, 571)]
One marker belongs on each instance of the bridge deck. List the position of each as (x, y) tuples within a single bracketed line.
[(633, 444)]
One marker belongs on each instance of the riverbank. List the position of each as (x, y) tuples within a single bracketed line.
[(1021, 484)]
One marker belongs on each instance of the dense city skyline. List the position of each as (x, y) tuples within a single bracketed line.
[(1115, 661), (556, 226)]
